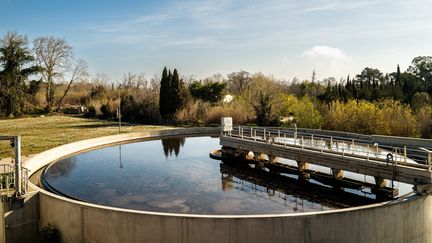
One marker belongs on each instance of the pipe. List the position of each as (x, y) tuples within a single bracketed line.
[(18, 175)]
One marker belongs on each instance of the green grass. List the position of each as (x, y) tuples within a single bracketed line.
[(42, 133)]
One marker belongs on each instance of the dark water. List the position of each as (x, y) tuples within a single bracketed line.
[(177, 175)]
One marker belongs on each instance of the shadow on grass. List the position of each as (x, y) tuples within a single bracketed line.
[(103, 125)]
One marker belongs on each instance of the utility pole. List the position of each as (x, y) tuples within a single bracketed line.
[(119, 113)]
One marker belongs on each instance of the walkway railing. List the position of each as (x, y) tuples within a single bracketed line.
[(327, 144), (14, 177)]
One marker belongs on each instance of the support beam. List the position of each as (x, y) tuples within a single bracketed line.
[(302, 167), (338, 174), (380, 182), (273, 159)]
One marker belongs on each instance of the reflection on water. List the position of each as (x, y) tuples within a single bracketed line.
[(188, 181), (63, 169), (171, 145)]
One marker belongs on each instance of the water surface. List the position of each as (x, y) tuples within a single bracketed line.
[(177, 175)]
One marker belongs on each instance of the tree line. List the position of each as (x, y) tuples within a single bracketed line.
[(24, 70), (43, 77)]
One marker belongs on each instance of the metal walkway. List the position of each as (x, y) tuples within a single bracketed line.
[(355, 156)]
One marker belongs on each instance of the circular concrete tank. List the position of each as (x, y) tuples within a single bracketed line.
[(406, 219)]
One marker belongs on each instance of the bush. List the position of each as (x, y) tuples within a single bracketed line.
[(49, 234), (192, 113), (91, 112), (143, 112), (109, 109), (238, 110), (303, 110), (356, 116), (424, 121), (399, 118)]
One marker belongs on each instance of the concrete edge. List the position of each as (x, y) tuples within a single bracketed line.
[(42, 159)]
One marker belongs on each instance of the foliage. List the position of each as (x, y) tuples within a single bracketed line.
[(49, 234), (15, 61), (420, 99), (170, 97), (209, 91), (399, 118), (144, 111), (239, 110), (263, 110), (239, 82), (356, 116), (422, 68), (192, 113), (303, 110), (424, 121)]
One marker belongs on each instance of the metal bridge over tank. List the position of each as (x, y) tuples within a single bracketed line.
[(269, 144)]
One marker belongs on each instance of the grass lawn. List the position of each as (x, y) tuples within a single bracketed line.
[(42, 133)]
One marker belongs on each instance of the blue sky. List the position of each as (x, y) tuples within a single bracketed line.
[(202, 37)]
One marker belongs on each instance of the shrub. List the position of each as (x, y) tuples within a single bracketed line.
[(144, 111), (303, 110), (356, 116), (424, 121), (399, 118), (49, 234), (91, 112), (238, 110), (192, 113)]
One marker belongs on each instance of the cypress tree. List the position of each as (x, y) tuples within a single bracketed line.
[(170, 99), (164, 94), (176, 88)]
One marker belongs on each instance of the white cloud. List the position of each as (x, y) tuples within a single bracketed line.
[(328, 61), (326, 52)]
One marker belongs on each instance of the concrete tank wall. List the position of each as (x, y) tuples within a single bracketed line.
[(407, 221), (2, 224), (402, 221)]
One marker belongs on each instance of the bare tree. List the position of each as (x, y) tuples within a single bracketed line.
[(155, 83), (54, 56), (238, 82), (102, 79), (79, 71)]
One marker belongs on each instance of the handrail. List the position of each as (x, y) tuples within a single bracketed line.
[(323, 144)]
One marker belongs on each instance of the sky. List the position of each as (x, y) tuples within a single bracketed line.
[(285, 39)]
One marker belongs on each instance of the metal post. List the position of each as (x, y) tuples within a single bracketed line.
[(18, 176), (302, 142), (343, 148), (264, 134), (322, 147), (405, 154), (119, 114), (368, 152), (377, 151), (285, 141)]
